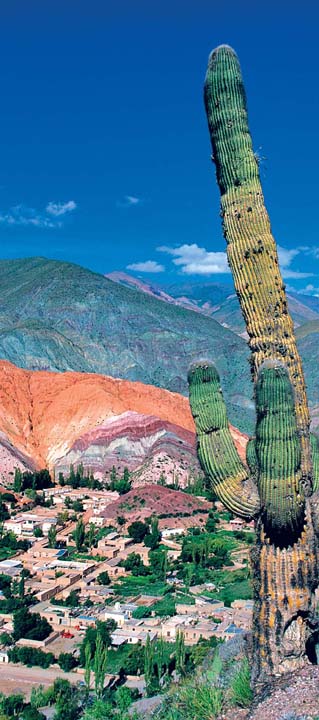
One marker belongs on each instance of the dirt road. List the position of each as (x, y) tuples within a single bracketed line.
[(19, 678)]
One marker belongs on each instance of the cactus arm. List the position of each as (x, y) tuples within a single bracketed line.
[(251, 457), (251, 248), (278, 451), (315, 460), (216, 450)]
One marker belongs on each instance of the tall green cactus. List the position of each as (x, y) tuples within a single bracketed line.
[(251, 249), (276, 487)]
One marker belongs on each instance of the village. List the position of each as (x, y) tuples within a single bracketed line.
[(113, 578)]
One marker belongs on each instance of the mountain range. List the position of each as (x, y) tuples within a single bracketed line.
[(57, 419), (59, 316), (220, 302), (88, 360), (217, 301)]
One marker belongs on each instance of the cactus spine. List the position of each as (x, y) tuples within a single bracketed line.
[(277, 489)]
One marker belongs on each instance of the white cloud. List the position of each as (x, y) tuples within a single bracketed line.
[(129, 201), (194, 260), (308, 290), (47, 218), (149, 266), (286, 256), (288, 274), (312, 251), (20, 215), (60, 208), (285, 259), (132, 200)]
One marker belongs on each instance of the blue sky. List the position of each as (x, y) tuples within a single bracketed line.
[(104, 148)]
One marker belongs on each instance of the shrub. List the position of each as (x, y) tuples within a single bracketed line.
[(31, 713), (31, 656), (241, 693), (67, 661), (200, 700)]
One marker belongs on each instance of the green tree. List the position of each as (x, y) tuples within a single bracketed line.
[(67, 661), (9, 497), (121, 485), (113, 475), (72, 478), (162, 479), (77, 506), (52, 534), (91, 535), (137, 531), (73, 599), (148, 661), (6, 639), (180, 652), (134, 661), (31, 713), (4, 514), (105, 630), (30, 625), (12, 705), (100, 710), (152, 685), (160, 656), (158, 563), (79, 534), (21, 587), (30, 656), (66, 698), (62, 517), (39, 696), (212, 521), (153, 539), (87, 673), (123, 698), (103, 578), (17, 483), (99, 665), (134, 564), (38, 532)]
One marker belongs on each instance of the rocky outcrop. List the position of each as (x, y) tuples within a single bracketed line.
[(147, 444), (55, 419), (140, 503)]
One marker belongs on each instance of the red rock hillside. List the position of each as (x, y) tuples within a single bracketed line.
[(140, 503), (54, 419)]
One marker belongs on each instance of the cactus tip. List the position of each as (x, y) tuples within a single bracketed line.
[(202, 370), (272, 364), (224, 49)]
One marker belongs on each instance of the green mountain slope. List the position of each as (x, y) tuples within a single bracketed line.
[(60, 316)]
